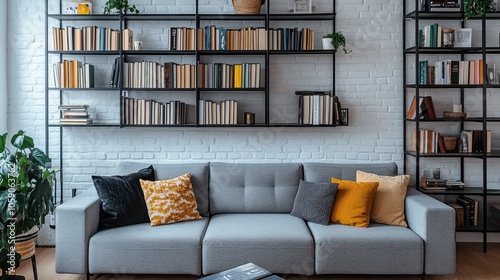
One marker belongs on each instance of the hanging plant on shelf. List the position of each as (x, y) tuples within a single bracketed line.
[(478, 7), (119, 5)]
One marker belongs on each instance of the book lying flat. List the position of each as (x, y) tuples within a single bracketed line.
[(247, 271)]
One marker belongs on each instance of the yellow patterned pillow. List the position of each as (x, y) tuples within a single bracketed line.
[(170, 201)]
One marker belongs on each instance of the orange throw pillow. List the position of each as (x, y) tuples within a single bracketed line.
[(170, 201), (353, 202)]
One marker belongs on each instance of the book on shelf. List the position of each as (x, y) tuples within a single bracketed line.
[(75, 114), (225, 112), (474, 210), (433, 184), (430, 141), (459, 214), (495, 214), (73, 74), (318, 108), (452, 72), (151, 112), (466, 205), (90, 38), (475, 140), (454, 185), (426, 106)]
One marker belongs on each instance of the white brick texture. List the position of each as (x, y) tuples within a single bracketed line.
[(368, 82)]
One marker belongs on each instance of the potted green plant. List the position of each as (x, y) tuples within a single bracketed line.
[(478, 7), (335, 40), (118, 6), (25, 193)]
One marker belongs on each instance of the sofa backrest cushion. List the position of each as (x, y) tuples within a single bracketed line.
[(253, 188), (164, 171), (319, 172)]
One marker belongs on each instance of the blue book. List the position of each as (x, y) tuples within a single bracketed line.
[(207, 38), (222, 39), (102, 39)]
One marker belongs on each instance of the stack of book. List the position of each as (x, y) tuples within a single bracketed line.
[(452, 72), (475, 141), (430, 141), (152, 112), (244, 75), (90, 38), (433, 184), (441, 184), (75, 114)]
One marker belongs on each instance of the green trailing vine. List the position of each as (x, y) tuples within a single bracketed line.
[(478, 7), (119, 5)]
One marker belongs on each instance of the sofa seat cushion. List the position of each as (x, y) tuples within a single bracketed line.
[(280, 243), (377, 249), (140, 248)]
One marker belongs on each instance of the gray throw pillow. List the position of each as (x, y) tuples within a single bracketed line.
[(314, 201)]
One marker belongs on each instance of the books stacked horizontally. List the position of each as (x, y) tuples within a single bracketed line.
[(319, 108), (225, 112), (75, 114), (441, 184)]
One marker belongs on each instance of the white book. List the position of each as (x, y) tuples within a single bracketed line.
[(315, 109)]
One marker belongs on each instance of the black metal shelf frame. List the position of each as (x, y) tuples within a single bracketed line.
[(411, 20), (123, 19)]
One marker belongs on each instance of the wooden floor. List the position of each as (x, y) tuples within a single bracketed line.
[(472, 263)]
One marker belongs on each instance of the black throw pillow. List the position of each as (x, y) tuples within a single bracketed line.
[(122, 200), (314, 201)]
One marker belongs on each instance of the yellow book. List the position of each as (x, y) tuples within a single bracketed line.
[(237, 75)]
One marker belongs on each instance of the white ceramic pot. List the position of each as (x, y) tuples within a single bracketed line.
[(327, 43)]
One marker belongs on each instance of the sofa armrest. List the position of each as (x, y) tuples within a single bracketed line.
[(434, 222), (76, 221)]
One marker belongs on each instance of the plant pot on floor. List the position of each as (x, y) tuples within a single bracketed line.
[(327, 44), (26, 242)]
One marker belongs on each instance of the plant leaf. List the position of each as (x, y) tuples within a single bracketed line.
[(3, 142), (39, 157)]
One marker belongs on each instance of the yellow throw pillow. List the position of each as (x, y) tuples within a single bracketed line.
[(353, 203), (389, 203), (170, 201)]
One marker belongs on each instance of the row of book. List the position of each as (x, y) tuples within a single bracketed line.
[(244, 75), (148, 74), (475, 141), (151, 112), (426, 110), (73, 74), (431, 141), (90, 38), (75, 114), (225, 112), (246, 38), (451, 72), (319, 108), (466, 211), (441, 184), (431, 36)]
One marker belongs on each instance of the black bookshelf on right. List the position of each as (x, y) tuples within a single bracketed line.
[(453, 61)]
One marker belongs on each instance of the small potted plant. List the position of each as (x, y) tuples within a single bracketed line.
[(118, 6), (478, 7), (335, 40), (25, 196)]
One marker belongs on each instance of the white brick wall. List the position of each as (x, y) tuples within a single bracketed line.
[(368, 82)]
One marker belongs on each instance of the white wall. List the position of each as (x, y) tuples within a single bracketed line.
[(3, 66), (368, 82)]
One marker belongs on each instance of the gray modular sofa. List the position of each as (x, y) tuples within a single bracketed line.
[(245, 209)]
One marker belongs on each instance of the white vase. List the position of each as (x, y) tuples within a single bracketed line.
[(327, 43)]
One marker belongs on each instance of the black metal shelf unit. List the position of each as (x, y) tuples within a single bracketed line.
[(413, 20), (55, 17)]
